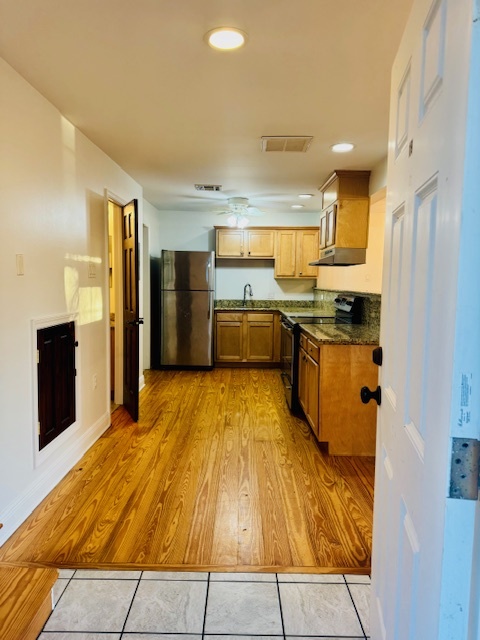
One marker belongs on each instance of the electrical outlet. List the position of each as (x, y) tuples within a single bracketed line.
[(94, 381), (271, 295)]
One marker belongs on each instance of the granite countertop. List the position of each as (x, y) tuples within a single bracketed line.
[(342, 333)]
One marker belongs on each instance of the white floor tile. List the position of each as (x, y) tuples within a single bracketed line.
[(58, 588), (311, 577), (361, 597), (318, 609), (243, 608), (175, 575), (243, 577), (168, 606), (362, 637), (66, 573), (357, 579), (161, 636), (66, 635), (92, 605), (233, 637), (98, 574)]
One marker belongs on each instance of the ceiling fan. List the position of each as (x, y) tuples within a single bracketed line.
[(238, 211)]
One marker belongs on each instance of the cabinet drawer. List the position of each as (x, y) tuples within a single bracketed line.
[(259, 317), (303, 342), (313, 350), (229, 317)]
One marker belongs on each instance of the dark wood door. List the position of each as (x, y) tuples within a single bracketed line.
[(56, 380), (131, 320)]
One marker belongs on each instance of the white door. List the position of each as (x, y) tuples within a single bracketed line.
[(424, 579)]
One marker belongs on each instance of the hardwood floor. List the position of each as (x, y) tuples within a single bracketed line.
[(216, 475)]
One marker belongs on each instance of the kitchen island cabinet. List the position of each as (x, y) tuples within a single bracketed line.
[(249, 337), (333, 375)]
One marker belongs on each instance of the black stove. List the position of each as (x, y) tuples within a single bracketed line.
[(348, 310)]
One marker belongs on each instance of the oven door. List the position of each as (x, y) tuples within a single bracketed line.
[(286, 360)]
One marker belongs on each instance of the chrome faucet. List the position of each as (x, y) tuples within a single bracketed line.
[(250, 293)]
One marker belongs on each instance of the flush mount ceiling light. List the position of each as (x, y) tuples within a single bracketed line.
[(305, 196), (297, 206), (342, 147), (226, 38)]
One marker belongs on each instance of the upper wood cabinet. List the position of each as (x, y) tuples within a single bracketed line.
[(245, 243), (294, 249), (344, 217)]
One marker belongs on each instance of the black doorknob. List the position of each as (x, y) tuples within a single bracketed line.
[(366, 395)]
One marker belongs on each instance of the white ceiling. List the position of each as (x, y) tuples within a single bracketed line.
[(138, 79)]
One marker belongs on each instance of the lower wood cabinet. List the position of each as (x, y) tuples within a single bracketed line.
[(247, 337), (330, 379), (308, 382)]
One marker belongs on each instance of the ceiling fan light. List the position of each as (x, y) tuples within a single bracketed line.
[(225, 38), (242, 222), (232, 220)]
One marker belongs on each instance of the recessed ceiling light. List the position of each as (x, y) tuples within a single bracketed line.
[(305, 196), (342, 147), (226, 38), (297, 206)]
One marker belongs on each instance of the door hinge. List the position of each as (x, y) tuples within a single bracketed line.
[(464, 476), (38, 428), (38, 356)]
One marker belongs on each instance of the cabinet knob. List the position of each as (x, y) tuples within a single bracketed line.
[(366, 395)]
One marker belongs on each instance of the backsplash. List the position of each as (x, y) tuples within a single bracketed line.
[(323, 299)]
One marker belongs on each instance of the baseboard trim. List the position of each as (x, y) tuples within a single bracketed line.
[(19, 510)]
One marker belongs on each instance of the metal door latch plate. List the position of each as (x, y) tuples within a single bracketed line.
[(464, 477)]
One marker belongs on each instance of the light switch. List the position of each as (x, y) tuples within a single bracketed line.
[(20, 266)]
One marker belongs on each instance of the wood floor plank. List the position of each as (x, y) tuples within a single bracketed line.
[(217, 474)]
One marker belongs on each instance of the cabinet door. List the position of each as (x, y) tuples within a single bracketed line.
[(259, 337), (351, 223), (229, 340), (331, 225), (230, 243), (285, 248), (302, 380), (312, 391), (260, 243), (323, 230), (307, 251)]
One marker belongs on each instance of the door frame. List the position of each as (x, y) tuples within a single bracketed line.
[(117, 248)]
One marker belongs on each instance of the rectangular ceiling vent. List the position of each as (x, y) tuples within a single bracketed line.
[(286, 143), (208, 187)]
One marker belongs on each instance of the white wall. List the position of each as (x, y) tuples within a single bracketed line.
[(53, 211), (187, 231)]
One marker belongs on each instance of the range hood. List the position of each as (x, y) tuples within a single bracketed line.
[(340, 257)]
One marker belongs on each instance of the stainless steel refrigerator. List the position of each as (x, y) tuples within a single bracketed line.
[(185, 321)]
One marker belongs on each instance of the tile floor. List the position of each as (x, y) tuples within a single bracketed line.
[(155, 605)]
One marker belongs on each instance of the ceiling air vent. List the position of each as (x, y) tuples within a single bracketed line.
[(208, 187), (286, 143)]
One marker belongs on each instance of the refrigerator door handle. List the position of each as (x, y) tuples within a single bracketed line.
[(209, 307)]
